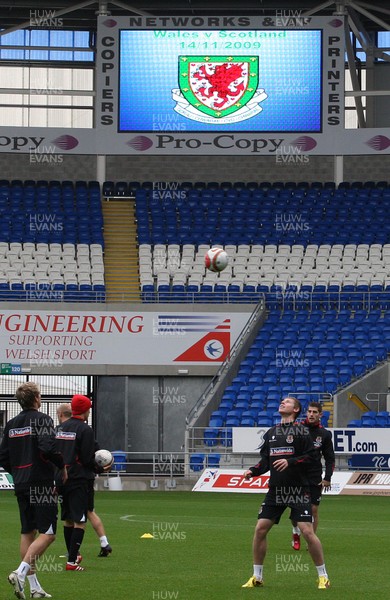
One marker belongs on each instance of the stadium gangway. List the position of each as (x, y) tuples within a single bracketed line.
[(205, 398)]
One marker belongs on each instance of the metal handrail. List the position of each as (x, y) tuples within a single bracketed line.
[(282, 299), (160, 464), (317, 396), (155, 297), (335, 299)]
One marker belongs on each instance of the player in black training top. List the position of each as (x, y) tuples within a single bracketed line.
[(64, 412), (286, 451), (28, 451), (322, 440), (76, 441)]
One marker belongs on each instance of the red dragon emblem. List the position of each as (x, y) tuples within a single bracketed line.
[(214, 88), (221, 83)]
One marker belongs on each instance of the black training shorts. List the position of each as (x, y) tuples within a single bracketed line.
[(91, 495), (75, 501), (275, 503), (38, 509), (315, 494)]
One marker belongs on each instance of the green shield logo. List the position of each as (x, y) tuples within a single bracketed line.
[(218, 85)]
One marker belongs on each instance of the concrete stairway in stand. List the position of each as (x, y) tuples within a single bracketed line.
[(120, 251), (328, 405)]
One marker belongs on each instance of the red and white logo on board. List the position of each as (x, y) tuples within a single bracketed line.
[(212, 347)]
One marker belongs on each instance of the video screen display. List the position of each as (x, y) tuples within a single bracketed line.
[(220, 80)]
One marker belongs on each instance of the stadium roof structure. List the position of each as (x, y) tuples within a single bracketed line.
[(372, 15)]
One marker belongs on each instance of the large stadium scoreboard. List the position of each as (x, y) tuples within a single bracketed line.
[(219, 84), (204, 85)]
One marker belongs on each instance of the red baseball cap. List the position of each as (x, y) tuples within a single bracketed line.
[(80, 404)]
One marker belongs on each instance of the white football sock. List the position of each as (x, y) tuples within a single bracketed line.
[(258, 571), (34, 583), (22, 570), (103, 541), (296, 530), (321, 570)]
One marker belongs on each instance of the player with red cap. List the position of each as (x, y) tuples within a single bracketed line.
[(64, 412), (80, 405), (76, 441)]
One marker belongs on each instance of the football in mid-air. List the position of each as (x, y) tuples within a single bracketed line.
[(216, 259), (103, 458)]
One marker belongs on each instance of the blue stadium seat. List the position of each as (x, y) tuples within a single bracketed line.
[(382, 419), (71, 292), (210, 436), (121, 189), (213, 460), (221, 413), (248, 422), (325, 418), (108, 188), (197, 462), (368, 420), (232, 421), (119, 461), (242, 405), (226, 437)]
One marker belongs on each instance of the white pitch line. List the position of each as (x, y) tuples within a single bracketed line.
[(164, 518)]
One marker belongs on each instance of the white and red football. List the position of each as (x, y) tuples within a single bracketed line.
[(103, 458), (216, 259)]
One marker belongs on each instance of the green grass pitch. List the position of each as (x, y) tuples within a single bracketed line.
[(202, 550)]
